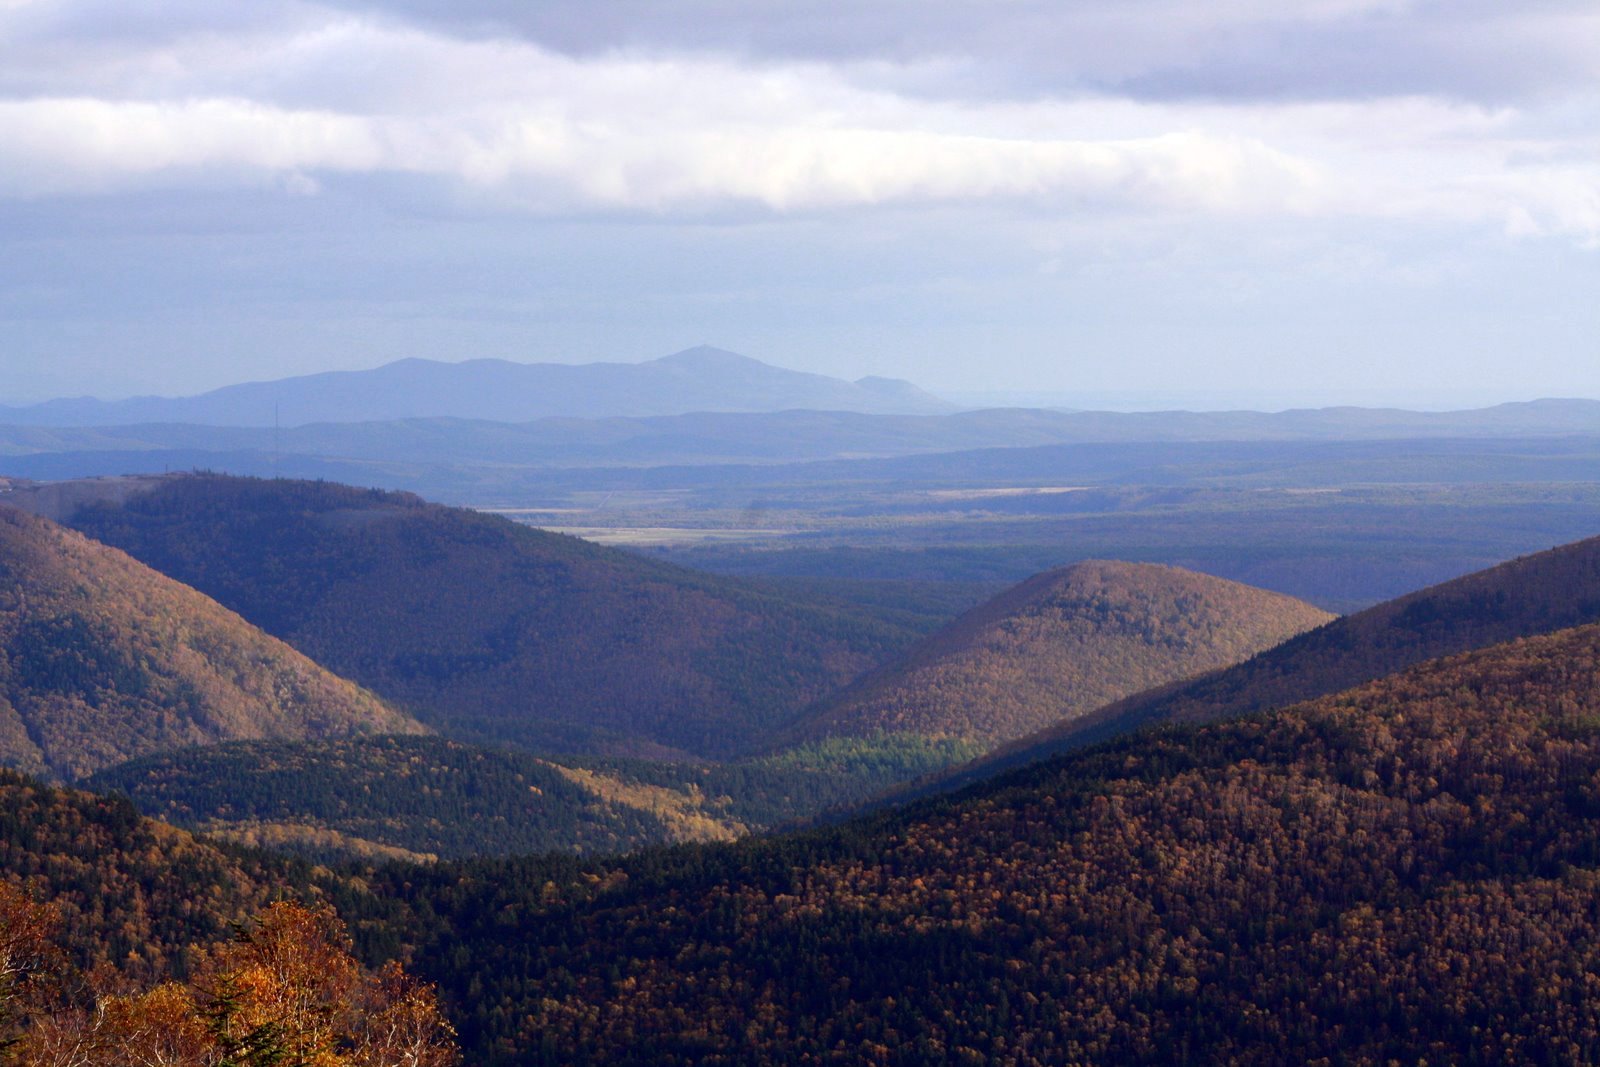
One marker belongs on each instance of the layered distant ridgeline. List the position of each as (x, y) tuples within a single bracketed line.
[(103, 659), (492, 631), (1406, 871), (697, 379), (1062, 644), (1075, 445), (1530, 595)]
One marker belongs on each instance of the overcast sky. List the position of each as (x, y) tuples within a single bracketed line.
[(1124, 202)]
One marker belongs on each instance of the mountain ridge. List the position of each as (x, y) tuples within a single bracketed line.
[(696, 379), (494, 631)]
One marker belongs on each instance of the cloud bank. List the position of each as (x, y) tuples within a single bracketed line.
[(481, 98)]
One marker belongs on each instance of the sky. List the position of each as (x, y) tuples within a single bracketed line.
[(1119, 203)]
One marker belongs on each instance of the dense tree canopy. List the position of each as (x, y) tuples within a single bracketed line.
[(287, 990), (1406, 871)]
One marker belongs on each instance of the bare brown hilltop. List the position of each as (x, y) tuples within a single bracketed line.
[(1062, 644), (103, 659)]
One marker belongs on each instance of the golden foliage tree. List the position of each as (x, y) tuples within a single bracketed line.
[(287, 993)]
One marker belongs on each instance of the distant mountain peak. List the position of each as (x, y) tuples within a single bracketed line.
[(710, 356), (699, 379)]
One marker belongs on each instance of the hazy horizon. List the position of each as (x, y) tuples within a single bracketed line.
[(1090, 400)]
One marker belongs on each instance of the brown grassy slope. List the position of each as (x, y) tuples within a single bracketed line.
[(103, 659), (1061, 644), (493, 631), (1529, 595)]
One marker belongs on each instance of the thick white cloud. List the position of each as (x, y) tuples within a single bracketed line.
[(555, 162), (518, 125)]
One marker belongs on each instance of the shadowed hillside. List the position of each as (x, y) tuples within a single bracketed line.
[(425, 797), (1062, 644), (1526, 596), (103, 659), (1402, 872), (492, 631)]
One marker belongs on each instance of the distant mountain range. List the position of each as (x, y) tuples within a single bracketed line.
[(697, 379), (473, 460)]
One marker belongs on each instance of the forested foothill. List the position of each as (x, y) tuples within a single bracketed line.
[(1059, 646), (103, 659), (1336, 847), (496, 632), (1404, 872), (1523, 597), (424, 797)]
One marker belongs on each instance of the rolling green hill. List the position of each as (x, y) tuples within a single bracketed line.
[(1059, 645), (490, 631), (1526, 596), (1406, 871), (103, 659)]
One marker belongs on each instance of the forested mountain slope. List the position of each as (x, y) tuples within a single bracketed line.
[(103, 659), (131, 892), (1405, 871), (426, 797), (1059, 645), (1530, 595), (124, 942), (492, 631)]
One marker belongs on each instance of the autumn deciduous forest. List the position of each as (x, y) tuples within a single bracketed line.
[(286, 990), (1375, 842), (1406, 871)]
